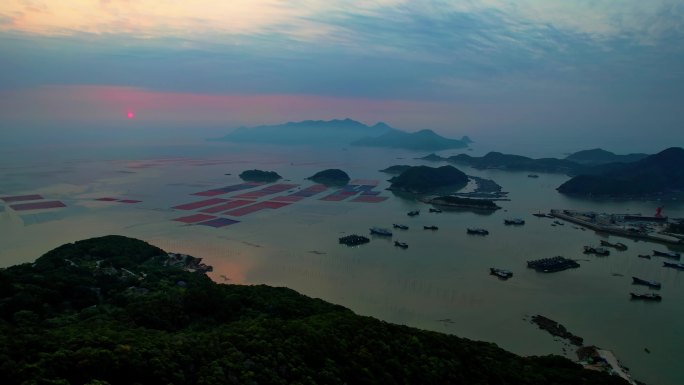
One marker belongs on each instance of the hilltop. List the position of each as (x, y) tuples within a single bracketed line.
[(116, 310), (599, 156), (654, 174)]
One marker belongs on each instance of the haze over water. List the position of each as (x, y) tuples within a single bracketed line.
[(440, 282)]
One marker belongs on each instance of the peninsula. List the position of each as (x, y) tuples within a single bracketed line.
[(115, 310)]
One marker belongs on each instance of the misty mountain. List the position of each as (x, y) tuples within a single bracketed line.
[(338, 131), (600, 156), (659, 173), (423, 140)]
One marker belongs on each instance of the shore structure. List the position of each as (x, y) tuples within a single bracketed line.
[(625, 225)]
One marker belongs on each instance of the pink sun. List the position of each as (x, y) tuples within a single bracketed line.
[(130, 115)]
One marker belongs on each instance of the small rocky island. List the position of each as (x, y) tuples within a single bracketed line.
[(424, 179), (459, 202), (331, 177), (259, 176)]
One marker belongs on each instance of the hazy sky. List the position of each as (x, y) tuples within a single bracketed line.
[(609, 70)]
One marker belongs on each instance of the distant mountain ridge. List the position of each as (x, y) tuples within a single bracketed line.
[(343, 131), (654, 174), (598, 156), (425, 140)]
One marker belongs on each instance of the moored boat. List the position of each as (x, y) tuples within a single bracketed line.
[(639, 281), (646, 296), (674, 265), (400, 227), (501, 273), (618, 245), (644, 256), (477, 231), (433, 210), (431, 227), (667, 254), (514, 221), (403, 245), (380, 231), (413, 213), (596, 250)]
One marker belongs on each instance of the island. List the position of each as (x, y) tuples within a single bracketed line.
[(312, 132), (655, 175), (330, 177), (423, 140), (432, 157), (424, 179), (460, 202), (259, 176), (113, 310)]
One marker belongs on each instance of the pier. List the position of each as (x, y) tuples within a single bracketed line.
[(621, 230)]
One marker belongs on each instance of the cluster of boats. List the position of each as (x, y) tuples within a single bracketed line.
[(551, 265), (354, 240)]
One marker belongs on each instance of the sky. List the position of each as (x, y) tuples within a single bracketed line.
[(604, 72)]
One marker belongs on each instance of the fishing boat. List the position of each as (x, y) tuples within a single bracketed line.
[(433, 210), (644, 256), (431, 227), (501, 273), (667, 254), (514, 221), (618, 245), (380, 231), (646, 296), (652, 284), (477, 231), (413, 213), (403, 245), (596, 250), (674, 265), (400, 227)]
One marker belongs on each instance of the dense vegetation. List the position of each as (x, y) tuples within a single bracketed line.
[(424, 179), (423, 140), (331, 176), (655, 174), (115, 310), (259, 176)]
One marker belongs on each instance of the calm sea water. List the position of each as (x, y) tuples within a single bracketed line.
[(440, 282)]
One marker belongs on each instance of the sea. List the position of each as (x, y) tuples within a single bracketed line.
[(441, 282)]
